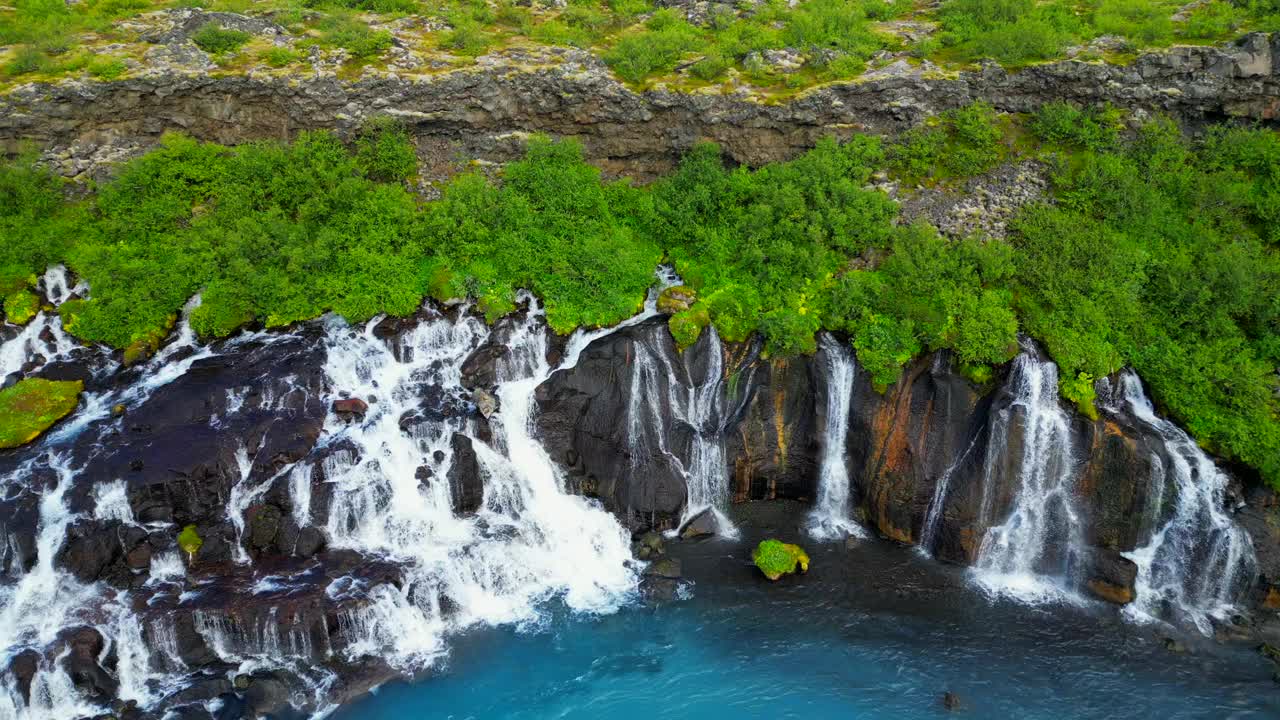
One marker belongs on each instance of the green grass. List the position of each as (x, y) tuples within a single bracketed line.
[(32, 406)]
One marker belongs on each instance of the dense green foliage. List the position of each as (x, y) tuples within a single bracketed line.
[(776, 558), (1159, 253), (19, 307), (760, 245), (960, 142), (32, 405), (1163, 256)]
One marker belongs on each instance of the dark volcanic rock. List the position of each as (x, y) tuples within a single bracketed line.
[(476, 113), (466, 486), (1110, 576)]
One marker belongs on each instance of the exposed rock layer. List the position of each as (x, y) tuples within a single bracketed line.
[(483, 111)]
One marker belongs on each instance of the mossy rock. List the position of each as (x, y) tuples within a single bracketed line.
[(776, 558), (687, 326), (190, 541), (21, 306), (32, 406), (676, 299)]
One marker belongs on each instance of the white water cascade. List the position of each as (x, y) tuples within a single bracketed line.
[(42, 337), (1194, 564), (1037, 552), (529, 542), (699, 407), (831, 517)]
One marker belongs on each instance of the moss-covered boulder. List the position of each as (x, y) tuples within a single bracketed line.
[(31, 406), (21, 306), (776, 558), (687, 326), (676, 299)]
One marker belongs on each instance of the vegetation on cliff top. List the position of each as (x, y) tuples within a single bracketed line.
[(1159, 253), (31, 406), (766, 44), (776, 558)]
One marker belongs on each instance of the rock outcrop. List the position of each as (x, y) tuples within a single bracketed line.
[(484, 111), (932, 427)]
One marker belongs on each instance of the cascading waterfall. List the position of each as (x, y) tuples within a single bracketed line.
[(700, 407), (42, 338), (529, 541), (1037, 552), (831, 517), (1196, 562), (933, 516)]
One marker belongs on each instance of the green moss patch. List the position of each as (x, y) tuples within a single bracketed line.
[(776, 558), (33, 405), (21, 306)]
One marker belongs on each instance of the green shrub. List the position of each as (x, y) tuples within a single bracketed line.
[(107, 68), (960, 142), (385, 152), (1094, 128), (657, 49), (362, 41), (189, 541), (1214, 20), (278, 57), (217, 40), (20, 306)]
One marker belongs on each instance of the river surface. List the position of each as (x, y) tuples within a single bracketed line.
[(872, 631)]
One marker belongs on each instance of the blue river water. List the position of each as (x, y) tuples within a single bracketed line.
[(873, 631)]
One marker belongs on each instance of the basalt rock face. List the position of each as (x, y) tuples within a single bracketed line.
[(932, 427), (482, 112)]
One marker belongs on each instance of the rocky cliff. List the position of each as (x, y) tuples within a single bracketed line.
[(481, 112)]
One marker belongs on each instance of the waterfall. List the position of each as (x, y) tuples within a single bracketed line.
[(42, 339), (831, 517), (530, 541), (933, 516), (662, 392), (1197, 562), (1036, 553)]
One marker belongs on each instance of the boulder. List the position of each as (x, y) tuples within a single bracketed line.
[(776, 558), (668, 568), (704, 524), (1111, 576), (350, 408), (485, 402), (676, 299)]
